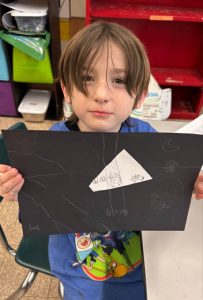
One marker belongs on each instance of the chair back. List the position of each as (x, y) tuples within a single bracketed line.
[(4, 159), (32, 253)]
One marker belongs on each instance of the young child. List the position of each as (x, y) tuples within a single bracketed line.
[(104, 73)]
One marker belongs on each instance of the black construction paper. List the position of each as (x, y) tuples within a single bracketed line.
[(58, 168)]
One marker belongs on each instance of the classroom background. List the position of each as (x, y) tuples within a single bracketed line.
[(172, 32)]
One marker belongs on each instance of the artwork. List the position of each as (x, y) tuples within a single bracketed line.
[(121, 171), (99, 182)]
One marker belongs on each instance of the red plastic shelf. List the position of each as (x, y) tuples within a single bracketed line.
[(171, 31), (131, 11), (186, 102), (178, 77), (183, 111)]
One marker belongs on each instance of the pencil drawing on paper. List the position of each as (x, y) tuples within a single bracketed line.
[(171, 166), (170, 146), (123, 170)]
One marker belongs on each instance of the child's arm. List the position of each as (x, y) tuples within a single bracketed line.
[(198, 187), (11, 182)]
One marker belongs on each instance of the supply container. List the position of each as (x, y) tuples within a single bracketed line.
[(30, 21), (34, 105), (28, 69), (4, 70)]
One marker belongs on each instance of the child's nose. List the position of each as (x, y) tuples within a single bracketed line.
[(101, 92)]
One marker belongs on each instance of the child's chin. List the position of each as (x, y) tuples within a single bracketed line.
[(106, 129), (103, 127)]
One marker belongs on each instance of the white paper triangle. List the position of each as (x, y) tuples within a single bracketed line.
[(121, 171)]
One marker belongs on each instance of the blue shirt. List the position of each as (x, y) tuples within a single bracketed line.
[(85, 278)]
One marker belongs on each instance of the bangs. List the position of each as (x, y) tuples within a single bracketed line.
[(79, 56), (86, 46), (85, 65)]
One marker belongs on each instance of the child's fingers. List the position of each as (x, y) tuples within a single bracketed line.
[(10, 182), (198, 187), (7, 175), (8, 185), (13, 194), (199, 196), (4, 168)]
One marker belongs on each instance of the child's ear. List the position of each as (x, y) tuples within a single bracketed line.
[(66, 94), (141, 100)]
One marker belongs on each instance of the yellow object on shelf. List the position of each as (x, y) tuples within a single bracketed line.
[(27, 69), (65, 29)]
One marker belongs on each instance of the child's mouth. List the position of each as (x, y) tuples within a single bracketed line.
[(101, 113)]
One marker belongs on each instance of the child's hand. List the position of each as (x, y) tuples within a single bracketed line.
[(198, 187), (10, 182)]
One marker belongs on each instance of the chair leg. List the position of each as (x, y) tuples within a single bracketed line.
[(5, 244), (26, 284), (61, 290)]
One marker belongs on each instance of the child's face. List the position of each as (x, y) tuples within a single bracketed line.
[(108, 103)]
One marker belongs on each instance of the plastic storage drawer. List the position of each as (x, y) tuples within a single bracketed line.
[(34, 105)]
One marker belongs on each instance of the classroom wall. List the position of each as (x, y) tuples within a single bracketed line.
[(72, 18), (77, 9), (65, 11)]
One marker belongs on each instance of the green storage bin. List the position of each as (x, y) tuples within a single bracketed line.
[(27, 69)]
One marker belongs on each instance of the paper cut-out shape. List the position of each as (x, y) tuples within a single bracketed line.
[(121, 171)]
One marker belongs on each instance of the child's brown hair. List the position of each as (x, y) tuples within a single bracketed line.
[(82, 50)]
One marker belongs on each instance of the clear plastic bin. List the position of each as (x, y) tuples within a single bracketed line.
[(30, 21), (34, 105)]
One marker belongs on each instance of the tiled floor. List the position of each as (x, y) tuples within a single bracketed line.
[(11, 274)]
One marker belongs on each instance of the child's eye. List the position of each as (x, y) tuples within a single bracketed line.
[(87, 78), (119, 81)]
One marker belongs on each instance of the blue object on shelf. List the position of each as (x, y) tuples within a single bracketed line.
[(4, 70)]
